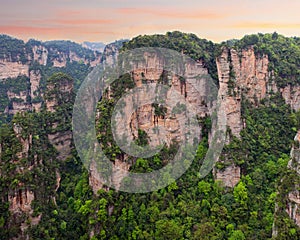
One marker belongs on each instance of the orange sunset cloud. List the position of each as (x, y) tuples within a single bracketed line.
[(169, 13), (266, 25), (115, 19)]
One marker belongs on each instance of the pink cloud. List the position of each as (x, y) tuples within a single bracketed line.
[(169, 13), (265, 25)]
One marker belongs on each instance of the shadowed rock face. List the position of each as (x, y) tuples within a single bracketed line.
[(22, 101), (291, 95), (20, 196), (293, 198), (289, 201), (59, 94)]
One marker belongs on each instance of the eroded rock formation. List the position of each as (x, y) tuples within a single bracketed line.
[(245, 75), (59, 98), (293, 198), (11, 69), (189, 83)]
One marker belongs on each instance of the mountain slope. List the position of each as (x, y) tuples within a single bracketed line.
[(258, 79)]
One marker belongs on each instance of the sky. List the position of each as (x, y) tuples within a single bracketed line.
[(109, 20)]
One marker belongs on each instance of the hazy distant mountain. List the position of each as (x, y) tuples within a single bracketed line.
[(96, 46)]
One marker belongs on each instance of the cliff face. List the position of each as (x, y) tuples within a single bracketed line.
[(288, 193), (291, 95), (24, 90), (30, 169), (244, 75), (293, 198), (21, 195), (40, 54), (10, 69), (231, 97), (28, 97), (59, 97), (24, 68), (35, 89), (191, 89), (45, 54), (241, 75), (147, 117), (111, 52)]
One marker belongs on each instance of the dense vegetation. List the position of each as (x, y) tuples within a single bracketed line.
[(191, 208), (13, 49), (189, 44), (283, 53), (66, 47)]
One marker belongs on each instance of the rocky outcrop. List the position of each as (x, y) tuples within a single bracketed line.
[(22, 212), (10, 69), (231, 102), (95, 180), (229, 176), (241, 74), (21, 196), (231, 98), (98, 59), (59, 97), (293, 206), (36, 94), (291, 95), (19, 102), (60, 60), (21, 201), (27, 98), (28, 160), (26, 142), (244, 74), (190, 85), (58, 92), (62, 143), (288, 200), (40, 54), (251, 73), (31, 64), (111, 52), (293, 198)]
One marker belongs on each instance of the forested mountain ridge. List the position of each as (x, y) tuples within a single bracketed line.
[(24, 68), (258, 78)]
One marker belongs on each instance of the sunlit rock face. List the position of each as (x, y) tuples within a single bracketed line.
[(145, 118), (244, 74)]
